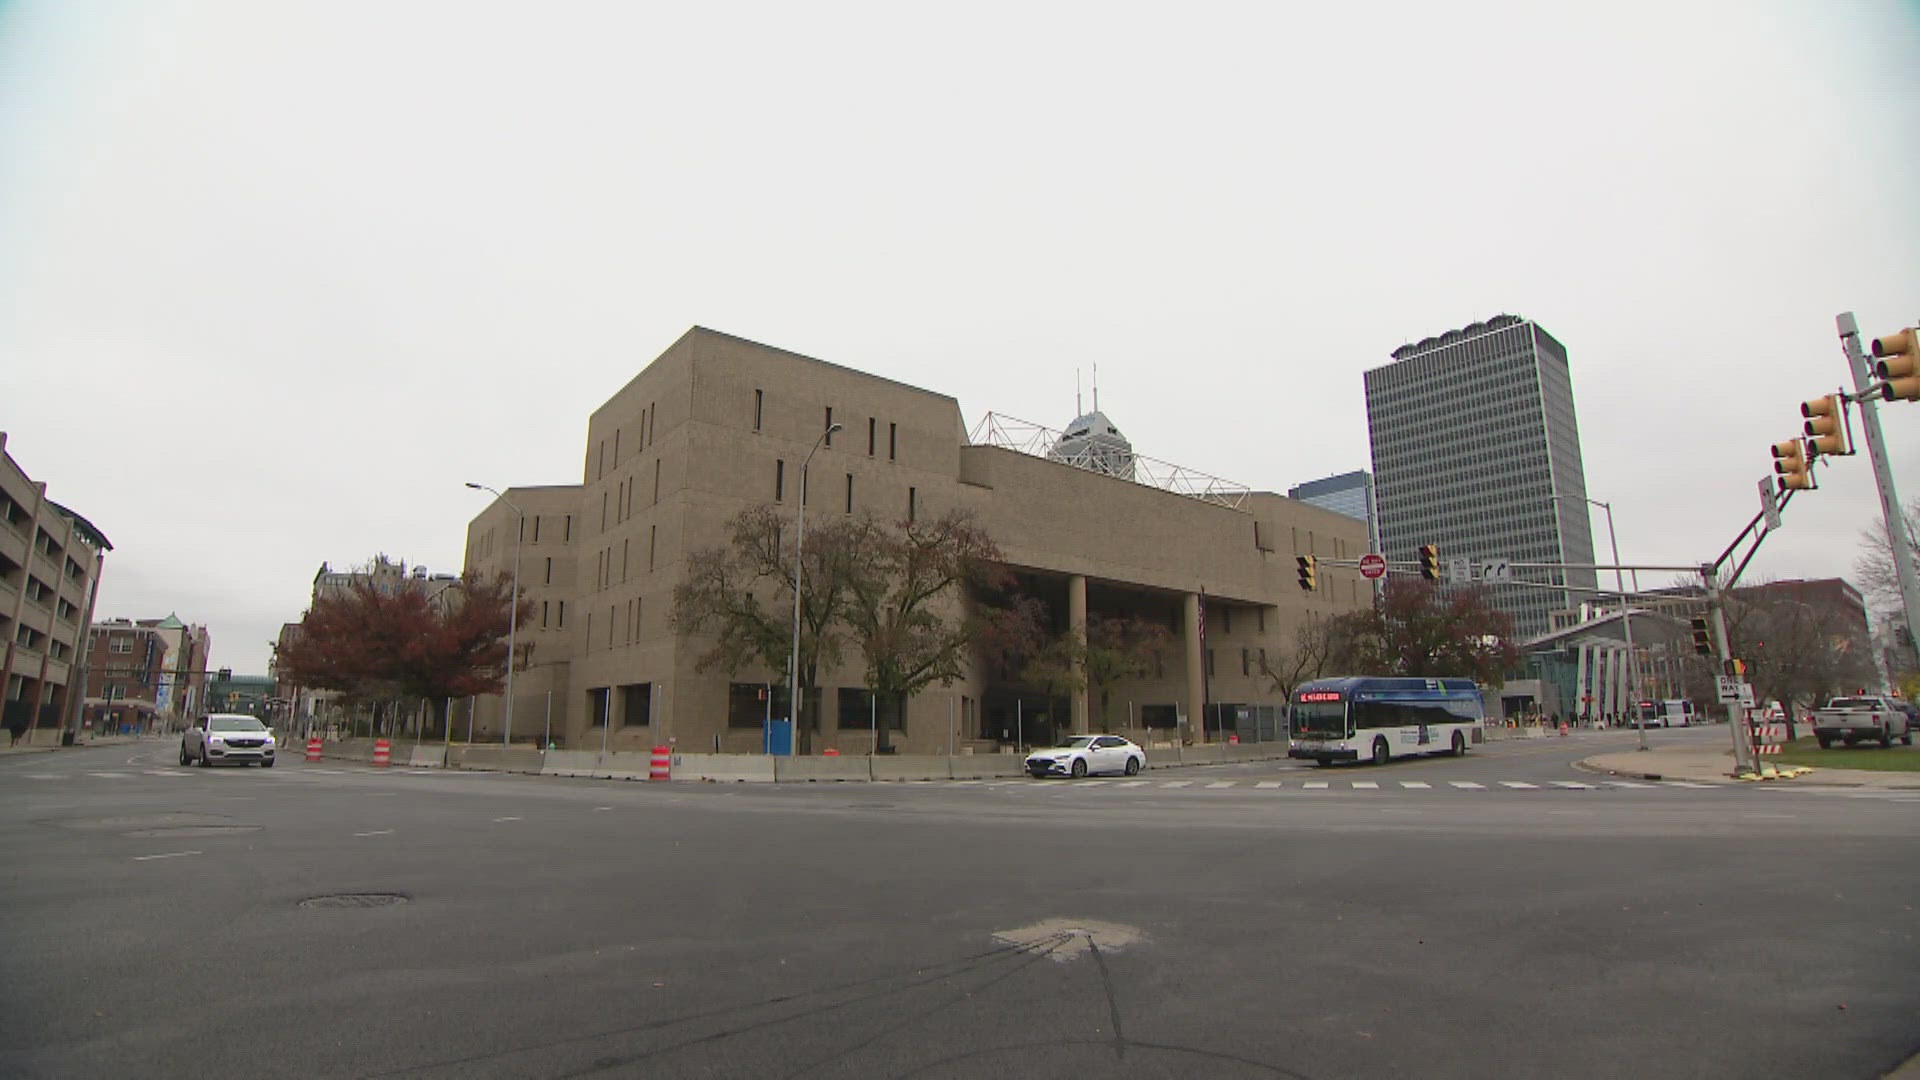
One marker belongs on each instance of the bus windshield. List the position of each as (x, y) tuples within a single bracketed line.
[(1320, 718)]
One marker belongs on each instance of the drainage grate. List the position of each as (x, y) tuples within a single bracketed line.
[(353, 900)]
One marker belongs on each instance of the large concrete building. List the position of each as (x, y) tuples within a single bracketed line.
[(717, 425), (1476, 449), (50, 563)]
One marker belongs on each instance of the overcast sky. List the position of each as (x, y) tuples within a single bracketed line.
[(273, 276)]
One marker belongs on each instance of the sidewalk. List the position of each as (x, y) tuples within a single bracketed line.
[(1713, 765), (48, 747)]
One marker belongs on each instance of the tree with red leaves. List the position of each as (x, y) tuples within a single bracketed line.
[(385, 642)]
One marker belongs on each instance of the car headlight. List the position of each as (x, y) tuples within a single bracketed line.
[(216, 740)]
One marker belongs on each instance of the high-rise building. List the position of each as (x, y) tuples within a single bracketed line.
[(1350, 493), (1476, 450)]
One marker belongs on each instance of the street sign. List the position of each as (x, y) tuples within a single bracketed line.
[(1769, 504), (1459, 569), (1730, 689), (1372, 566), (1496, 570), (1746, 694)]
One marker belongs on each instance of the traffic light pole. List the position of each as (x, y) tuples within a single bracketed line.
[(1743, 763), (1897, 540)]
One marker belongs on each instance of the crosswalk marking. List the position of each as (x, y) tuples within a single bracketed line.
[(1421, 785), (1517, 784), (1366, 785), (111, 775), (1178, 783), (1626, 783), (160, 772), (1467, 785), (1221, 784), (1316, 785), (43, 776), (1133, 783), (1267, 784), (1687, 783), (1572, 784)]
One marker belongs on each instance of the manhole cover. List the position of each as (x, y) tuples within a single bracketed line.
[(353, 900)]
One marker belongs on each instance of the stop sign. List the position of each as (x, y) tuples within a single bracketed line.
[(1372, 566)]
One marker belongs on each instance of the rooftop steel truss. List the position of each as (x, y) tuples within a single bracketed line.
[(1010, 433)]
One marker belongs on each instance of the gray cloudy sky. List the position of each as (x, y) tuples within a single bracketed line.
[(276, 278)]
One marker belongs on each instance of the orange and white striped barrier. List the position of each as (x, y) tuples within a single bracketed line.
[(382, 753), (313, 748), (662, 765)]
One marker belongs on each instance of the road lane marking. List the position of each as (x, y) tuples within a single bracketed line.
[(1221, 784), (1268, 784), (1467, 785), (376, 832), (1178, 783), (1517, 784), (1626, 783), (1316, 785), (603, 808), (168, 855), (166, 772), (111, 775), (506, 819), (1572, 784), (1365, 785), (1418, 784), (43, 776), (1688, 783)]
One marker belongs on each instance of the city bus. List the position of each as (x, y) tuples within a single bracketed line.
[(1378, 719)]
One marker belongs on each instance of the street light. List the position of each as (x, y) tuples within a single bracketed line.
[(799, 537), (1626, 618), (513, 612)]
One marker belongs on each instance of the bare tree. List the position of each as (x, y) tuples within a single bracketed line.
[(1873, 566), (1302, 660)]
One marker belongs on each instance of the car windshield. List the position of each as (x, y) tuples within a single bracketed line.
[(1320, 718), (1854, 703), (235, 723), (1077, 740)]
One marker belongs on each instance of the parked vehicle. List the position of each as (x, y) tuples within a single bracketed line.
[(1084, 755), (227, 737), (1852, 720)]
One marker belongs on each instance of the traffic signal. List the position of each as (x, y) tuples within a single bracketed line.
[(1790, 461), (1899, 364), (1430, 561), (1736, 668), (1702, 641), (1307, 568), (1826, 425)]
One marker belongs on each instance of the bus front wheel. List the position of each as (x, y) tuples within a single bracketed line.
[(1379, 751), (1459, 745)]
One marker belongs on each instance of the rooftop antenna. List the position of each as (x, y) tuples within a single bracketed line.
[(1096, 388), (1076, 393)]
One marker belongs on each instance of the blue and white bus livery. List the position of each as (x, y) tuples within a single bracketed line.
[(1378, 719)]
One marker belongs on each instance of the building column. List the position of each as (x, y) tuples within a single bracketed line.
[(1077, 623), (1196, 671), (1581, 685)]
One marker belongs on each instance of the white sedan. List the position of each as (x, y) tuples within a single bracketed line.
[(1084, 754)]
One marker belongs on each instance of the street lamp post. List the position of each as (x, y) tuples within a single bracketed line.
[(513, 611), (1626, 619), (799, 537)]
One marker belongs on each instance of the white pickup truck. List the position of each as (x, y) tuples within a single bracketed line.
[(1862, 719)]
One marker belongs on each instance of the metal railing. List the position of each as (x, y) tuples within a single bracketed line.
[(1038, 440)]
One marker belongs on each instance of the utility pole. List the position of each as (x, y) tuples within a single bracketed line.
[(1743, 762), (1897, 538)]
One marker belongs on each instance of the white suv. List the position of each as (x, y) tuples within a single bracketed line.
[(227, 737)]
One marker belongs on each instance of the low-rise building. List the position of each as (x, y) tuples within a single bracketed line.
[(718, 424)]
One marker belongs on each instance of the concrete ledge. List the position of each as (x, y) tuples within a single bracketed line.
[(982, 766), (495, 759), (570, 763), (428, 757), (788, 769), (911, 767), (724, 768)]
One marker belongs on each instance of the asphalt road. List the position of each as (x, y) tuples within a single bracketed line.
[(1497, 921)]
